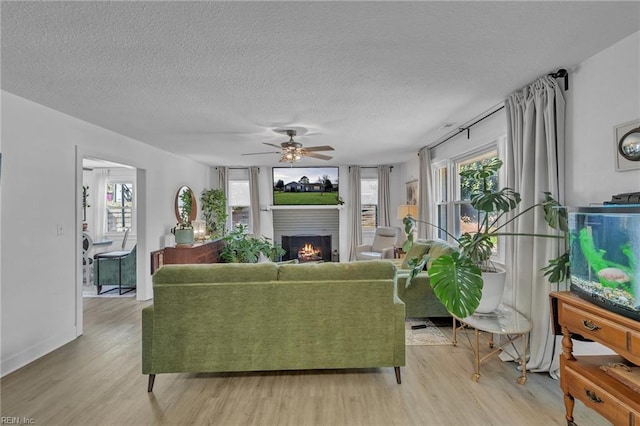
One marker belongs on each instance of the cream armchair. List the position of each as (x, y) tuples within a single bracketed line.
[(384, 244)]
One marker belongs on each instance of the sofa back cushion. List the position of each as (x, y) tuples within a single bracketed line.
[(439, 248), (418, 249), (432, 248), (216, 273), (332, 271)]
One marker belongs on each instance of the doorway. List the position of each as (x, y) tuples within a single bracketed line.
[(109, 217)]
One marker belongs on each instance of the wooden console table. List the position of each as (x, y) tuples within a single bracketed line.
[(581, 377), (208, 252)]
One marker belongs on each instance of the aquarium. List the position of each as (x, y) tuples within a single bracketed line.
[(605, 255)]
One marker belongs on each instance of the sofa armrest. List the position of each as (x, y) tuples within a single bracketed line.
[(147, 339), (399, 353)]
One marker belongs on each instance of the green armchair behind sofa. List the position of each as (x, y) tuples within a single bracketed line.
[(418, 296), (256, 317), (107, 270)]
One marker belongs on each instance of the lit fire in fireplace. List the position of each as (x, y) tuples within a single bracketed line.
[(308, 253)]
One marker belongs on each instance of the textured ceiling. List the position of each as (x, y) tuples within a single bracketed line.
[(375, 80)]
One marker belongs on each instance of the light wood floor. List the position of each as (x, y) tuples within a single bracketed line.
[(97, 380)]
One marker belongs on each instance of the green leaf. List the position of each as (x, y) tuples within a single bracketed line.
[(498, 201), (558, 268), (457, 283), (555, 214)]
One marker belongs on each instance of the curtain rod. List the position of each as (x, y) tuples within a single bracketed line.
[(373, 167), (561, 73), (467, 127)]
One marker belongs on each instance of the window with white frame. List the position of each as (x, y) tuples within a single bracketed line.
[(454, 212), (120, 205), (369, 207), (239, 197)]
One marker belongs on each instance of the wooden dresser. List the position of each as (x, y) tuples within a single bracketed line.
[(208, 252), (581, 376)]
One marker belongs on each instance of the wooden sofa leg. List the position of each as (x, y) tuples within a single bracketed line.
[(152, 378), (398, 379)]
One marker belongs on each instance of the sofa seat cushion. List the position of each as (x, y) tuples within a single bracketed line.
[(331, 271), (216, 273)]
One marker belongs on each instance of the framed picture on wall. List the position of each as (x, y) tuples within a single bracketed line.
[(622, 164), (412, 192)]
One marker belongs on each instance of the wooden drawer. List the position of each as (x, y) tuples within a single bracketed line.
[(597, 398), (634, 346), (594, 327)]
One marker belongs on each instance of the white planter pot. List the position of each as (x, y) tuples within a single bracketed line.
[(492, 290)]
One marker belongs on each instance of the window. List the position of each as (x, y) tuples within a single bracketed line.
[(369, 205), (119, 204), (453, 194), (239, 199)]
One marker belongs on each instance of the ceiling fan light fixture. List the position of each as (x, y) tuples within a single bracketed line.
[(291, 154)]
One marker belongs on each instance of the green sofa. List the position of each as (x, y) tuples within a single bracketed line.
[(418, 296), (265, 316)]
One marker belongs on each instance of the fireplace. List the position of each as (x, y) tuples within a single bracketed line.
[(307, 248)]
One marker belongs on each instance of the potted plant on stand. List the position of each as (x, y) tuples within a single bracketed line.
[(462, 279)]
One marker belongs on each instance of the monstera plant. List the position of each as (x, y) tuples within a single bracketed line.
[(457, 278)]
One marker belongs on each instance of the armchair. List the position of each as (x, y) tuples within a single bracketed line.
[(116, 268), (383, 246)]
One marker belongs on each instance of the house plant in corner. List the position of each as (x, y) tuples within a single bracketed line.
[(460, 279), (214, 211)]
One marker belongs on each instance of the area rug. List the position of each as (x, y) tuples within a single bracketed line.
[(93, 292), (429, 336)]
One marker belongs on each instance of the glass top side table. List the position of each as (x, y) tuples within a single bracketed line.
[(505, 321)]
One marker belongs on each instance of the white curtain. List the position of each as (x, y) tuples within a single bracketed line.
[(384, 196), (223, 183), (425, 194), (534, 160), (254, 192), (100, 204), (223, 180), (355, 212)]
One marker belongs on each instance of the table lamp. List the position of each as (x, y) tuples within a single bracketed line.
[(405, 210)]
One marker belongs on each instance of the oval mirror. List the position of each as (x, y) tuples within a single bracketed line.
[(629, 145), (185, 205)]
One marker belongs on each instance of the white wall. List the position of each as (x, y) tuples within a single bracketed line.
[(604, 91), (41, 176)]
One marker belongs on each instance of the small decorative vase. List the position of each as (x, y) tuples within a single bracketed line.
[(183, 236), (492, 290)]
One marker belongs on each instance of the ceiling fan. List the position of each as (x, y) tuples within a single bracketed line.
[(292, 151)]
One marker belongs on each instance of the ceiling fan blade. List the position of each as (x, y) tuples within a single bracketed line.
[(318, 148), (273, 145), (318, 156), (259, 153)]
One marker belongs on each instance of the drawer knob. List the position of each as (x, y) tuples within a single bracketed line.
[(589, 325), (592, 396)]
